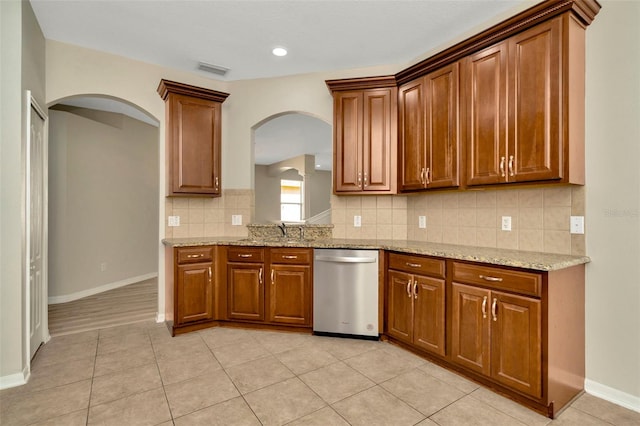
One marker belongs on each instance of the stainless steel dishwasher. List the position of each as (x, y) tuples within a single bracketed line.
[(345, 293)]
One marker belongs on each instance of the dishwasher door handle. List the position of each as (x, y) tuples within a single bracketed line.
[(345, 259)]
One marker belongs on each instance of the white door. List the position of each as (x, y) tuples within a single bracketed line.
[(36, 227)]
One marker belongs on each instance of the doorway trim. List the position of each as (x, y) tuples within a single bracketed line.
[(31, 103)]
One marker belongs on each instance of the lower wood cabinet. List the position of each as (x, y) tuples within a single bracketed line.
[(269, 285), (416, 301), (190, 299)]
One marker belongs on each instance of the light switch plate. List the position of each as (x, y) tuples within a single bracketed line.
[(357, 221), (577, 224), (422, 222), (236, 219), (506, 223), (174, 220)]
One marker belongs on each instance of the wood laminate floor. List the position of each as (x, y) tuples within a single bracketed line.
[(125, 305)]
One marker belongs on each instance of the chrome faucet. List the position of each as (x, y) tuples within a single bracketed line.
[(301, 228), (283, 228)]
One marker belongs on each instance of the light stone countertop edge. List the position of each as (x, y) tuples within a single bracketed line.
[(492, 256)]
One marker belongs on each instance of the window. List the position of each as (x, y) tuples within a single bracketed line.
[(290, 200)]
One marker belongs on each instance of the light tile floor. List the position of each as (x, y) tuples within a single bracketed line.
[(138, 374)]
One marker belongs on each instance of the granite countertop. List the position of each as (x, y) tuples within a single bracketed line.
[(519, 259)]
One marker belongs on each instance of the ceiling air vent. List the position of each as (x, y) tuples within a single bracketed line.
[(213, 69)]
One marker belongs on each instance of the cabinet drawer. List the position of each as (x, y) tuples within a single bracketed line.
[(497, 278), (194, 254), (291, 255), (245, 254), (417, 264)]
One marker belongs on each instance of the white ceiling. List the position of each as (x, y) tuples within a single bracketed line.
[(321, 35)]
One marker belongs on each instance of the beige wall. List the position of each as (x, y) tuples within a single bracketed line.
[(103, 201), (613, 201), (22, 67), (613, 304)]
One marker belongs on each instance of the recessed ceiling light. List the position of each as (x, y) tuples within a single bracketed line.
[(279, 51)]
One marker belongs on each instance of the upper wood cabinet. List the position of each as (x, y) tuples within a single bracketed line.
[(365, 135), (193, 136), (524, 107), (428, 130)]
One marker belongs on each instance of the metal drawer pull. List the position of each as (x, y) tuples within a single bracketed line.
[(492, 279), (427, 176), (484, 307), (494, 307), (415, 290), (193, 256), (245, 255), (414, 265), (502, 166), (289, 257), (511, 165), (409, 288)]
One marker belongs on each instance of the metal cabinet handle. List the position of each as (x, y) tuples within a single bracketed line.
[(428, 176), (194, 256), (502, 166), (511, 173), (210, 275), (415, 290), (414, 265), (289, 257), (273, 277), (260, 276), (484, 307), (359, 178), (492, 279), (409, 288), (366, 180), (494, 307), (423, 180), (245, 256), (217, 183)]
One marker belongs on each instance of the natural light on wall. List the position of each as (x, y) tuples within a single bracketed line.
[(291, 200)]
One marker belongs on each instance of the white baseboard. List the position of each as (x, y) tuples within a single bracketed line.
[(91, 291), (615, 396), (159, 317), (13, 380)]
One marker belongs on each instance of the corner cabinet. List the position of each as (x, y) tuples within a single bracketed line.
[(428, 131), (365, 135), (193, 135), (524, 106), (191, 288)]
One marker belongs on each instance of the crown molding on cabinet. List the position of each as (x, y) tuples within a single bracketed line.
[(166, 86)]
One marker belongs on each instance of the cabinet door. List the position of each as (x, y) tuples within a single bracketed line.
[(535, 104), (245, 291), (428, 317), (400, 306), (195, 145), (194, 293), (516, 358), (290, 294), (484, 81), (470, 327), (411, 133), (348, 141), (378, 139), (441, 127)]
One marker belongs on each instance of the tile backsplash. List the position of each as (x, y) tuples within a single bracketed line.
[(210, 217), (540, 217)]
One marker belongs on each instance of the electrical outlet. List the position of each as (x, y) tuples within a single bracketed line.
[(236, 219), (506, 223), (422, 222), (174, 220), (577, 224), (357, 221)]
